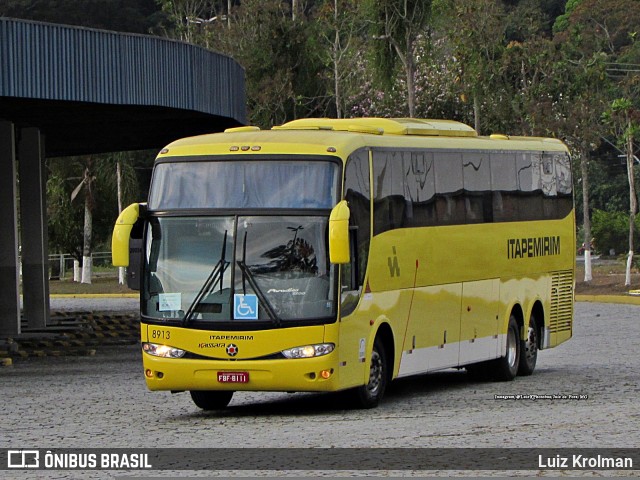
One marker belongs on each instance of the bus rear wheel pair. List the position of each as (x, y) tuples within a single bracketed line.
[(520, 358)]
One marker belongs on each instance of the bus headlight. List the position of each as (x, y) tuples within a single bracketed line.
[(309, 351), (162, 350)]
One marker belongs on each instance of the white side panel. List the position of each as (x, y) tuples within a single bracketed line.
[(480, 349), (423, 360)]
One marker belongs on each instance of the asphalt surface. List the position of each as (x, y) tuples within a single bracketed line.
[(99, 303), (584, 394)]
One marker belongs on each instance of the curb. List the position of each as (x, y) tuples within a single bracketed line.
[(627, 300)]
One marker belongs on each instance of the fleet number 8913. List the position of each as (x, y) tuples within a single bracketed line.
[(160, 334)]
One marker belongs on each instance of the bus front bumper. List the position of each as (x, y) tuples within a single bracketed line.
[(282, 375)]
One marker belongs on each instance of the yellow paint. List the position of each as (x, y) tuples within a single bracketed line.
[(430, 286), (339, 233), (121, 233), (264, 374)]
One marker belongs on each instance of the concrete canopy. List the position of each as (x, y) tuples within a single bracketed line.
[(90, 91)]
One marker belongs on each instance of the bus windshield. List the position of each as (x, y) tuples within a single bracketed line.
[(206, 184), (210, 269)]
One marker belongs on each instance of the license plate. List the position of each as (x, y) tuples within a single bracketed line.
[(233, 377)]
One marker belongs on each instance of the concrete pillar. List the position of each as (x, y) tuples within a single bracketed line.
[(9, 272), (33, 228)]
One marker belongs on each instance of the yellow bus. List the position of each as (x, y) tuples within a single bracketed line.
[(329, 255)]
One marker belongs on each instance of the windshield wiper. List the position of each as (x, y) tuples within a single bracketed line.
[(216, 275), (246, 274)]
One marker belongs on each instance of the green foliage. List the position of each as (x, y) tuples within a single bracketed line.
[(611, 231), (137, 16), (283, 69), (562, 22), (66, 216), (497, 64), (65, 219)]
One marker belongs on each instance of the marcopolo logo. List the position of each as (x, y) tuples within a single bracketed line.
[(232, 349)]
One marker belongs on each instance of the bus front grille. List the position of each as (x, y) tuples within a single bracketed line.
[(561, 317)]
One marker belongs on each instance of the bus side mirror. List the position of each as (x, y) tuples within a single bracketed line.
[(122, 235), (339, 233)]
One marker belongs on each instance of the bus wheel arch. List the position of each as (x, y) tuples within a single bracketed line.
[(386, 337), (518, 314), (380, 371), (530, 343), (506, 367)]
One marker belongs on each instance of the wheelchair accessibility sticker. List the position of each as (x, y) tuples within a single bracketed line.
[(245, 307)]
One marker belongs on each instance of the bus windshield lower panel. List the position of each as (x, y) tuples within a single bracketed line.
[(214, 270)]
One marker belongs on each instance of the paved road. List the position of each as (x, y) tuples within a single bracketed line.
[(102, 402), (97, 303)]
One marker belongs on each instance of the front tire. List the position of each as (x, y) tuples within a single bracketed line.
[(506, 368), (529, 348), (369, 395), (211, 399)]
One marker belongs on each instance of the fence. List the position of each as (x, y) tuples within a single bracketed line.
[(61, 264)]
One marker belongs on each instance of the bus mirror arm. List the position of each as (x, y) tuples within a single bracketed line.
[(339, 245)]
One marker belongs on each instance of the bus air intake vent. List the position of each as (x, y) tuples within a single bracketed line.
[(561, 301)]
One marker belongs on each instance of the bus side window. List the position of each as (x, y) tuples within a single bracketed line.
[(530, 200), (476, 170), (390, 205), (450, 200), (504, 186), (420, 190)]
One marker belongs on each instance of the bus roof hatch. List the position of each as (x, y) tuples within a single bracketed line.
[(387, 126)]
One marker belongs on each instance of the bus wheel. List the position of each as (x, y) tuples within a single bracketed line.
[(211, 399), (529, 349), (506, 368), (369, 395)]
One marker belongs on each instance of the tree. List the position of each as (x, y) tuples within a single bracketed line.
[(64, 229), (189, 20), (624, 119), (86, 184), (136, 16), (577, 113), (476, 31), (592, 34), (126, 183), (341, 28), (285, 76), (78, 227), (396, 26)]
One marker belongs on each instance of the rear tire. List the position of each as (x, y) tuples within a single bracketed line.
[(369, 395), (506, 368), (529, 348), (211, 399)]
